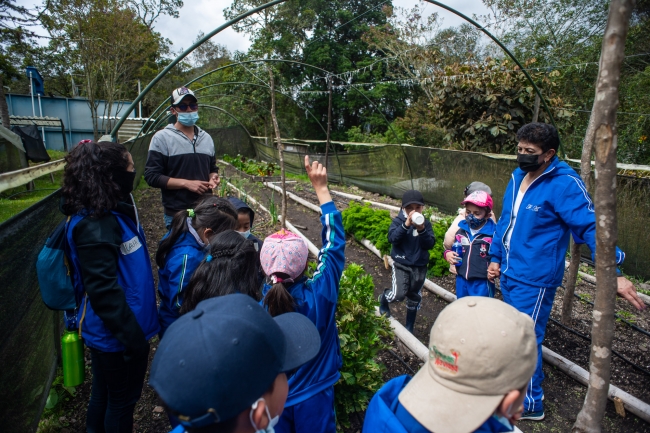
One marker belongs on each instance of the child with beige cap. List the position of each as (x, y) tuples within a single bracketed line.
[(482, 354)]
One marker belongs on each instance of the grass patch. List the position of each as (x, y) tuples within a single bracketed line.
[(15, 200)]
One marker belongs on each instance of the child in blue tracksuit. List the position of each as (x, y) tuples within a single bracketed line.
[(410, 253), (457, 391), (183, 248), (245, 218), (544, 202), (310, 404), (475, 235)]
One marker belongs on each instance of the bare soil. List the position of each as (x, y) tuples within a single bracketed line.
[(563, 395)]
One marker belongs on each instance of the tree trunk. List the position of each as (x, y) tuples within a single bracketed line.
[(329, 120), (15, 158), (574, 265), (570, 286), (604, 112), (536, 108), (276, 128)]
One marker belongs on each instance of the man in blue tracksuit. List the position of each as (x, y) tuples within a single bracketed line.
[(457, 391), (544, 202)]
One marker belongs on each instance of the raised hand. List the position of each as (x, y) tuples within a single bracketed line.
[(318, 177)]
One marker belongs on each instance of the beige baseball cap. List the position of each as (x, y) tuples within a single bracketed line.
[(480, 349)]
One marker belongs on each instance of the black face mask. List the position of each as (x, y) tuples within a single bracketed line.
[(529, 163), (124, 179)]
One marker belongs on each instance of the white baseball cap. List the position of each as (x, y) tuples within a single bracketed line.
[(480, 349), (180, 93)]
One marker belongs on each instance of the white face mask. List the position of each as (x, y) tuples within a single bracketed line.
[(245, 234), (272, 421)]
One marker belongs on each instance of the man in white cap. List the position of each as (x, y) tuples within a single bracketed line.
[(482, 354), (181, 160)]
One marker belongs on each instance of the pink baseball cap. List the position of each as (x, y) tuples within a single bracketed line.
[(480, 199), (284, 252)]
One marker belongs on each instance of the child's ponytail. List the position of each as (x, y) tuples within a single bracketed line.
[(278, 300), (214, 213)]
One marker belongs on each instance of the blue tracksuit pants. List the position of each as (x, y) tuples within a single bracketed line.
[(537, 302), (314, 415), (478, 287)]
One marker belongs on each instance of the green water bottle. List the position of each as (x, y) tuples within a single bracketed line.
[(72, 352)]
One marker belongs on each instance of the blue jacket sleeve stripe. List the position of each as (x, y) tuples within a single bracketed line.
[(331, 257), (581, 185), (181, 281)]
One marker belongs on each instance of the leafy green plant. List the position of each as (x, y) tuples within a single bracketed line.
[(251, 166), (362, 335), (223, 187), (438, 266), (364, 222), (53, 419), (626, 315)]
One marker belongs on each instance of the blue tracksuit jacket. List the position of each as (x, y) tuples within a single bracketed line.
[(180, 263), (316, 298), (472, 273), (134, 276), (555, 204), (385, 414)]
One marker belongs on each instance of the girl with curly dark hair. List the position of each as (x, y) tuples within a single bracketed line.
[(112, 275)]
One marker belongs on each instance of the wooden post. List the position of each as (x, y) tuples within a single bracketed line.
[(604, 111), (329, 120), (536, 108), (276, 128)]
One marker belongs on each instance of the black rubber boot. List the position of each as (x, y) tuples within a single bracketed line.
[(410, 319), (384, 307)]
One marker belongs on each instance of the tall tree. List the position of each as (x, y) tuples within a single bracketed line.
[(150, 10), (605, 140), (109, 45)]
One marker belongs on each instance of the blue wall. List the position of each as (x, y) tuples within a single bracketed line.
[(74, 112)]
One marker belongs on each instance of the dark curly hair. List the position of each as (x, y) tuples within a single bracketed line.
[(540, 134), (232, 266), (88, 177)]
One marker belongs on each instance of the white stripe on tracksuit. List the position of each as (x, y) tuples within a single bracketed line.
[(529, 392)]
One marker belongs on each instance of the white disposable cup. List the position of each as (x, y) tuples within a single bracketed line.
[(417, 218)]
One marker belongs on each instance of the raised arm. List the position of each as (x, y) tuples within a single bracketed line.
[(331, 258)]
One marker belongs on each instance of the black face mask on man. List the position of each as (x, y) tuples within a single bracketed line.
[(529, 163), (124, 179)]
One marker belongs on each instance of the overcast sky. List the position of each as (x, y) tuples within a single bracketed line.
[(206, 15)]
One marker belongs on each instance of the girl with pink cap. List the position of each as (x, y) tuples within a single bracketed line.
[(475, 237), (310, 404)]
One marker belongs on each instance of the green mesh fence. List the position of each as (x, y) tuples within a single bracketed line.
[(29, 343), (231, 141), (442, 175)]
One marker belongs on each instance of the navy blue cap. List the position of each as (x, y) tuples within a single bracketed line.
[(412, 196), (216, 361)]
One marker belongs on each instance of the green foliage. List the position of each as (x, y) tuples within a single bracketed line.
[(53, 417), (438, 266), (362, 335), (364, 222), (273, 209), (396, 135), (251, 166)]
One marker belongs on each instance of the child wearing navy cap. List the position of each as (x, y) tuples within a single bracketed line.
[(411, 240), (221, 368)]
